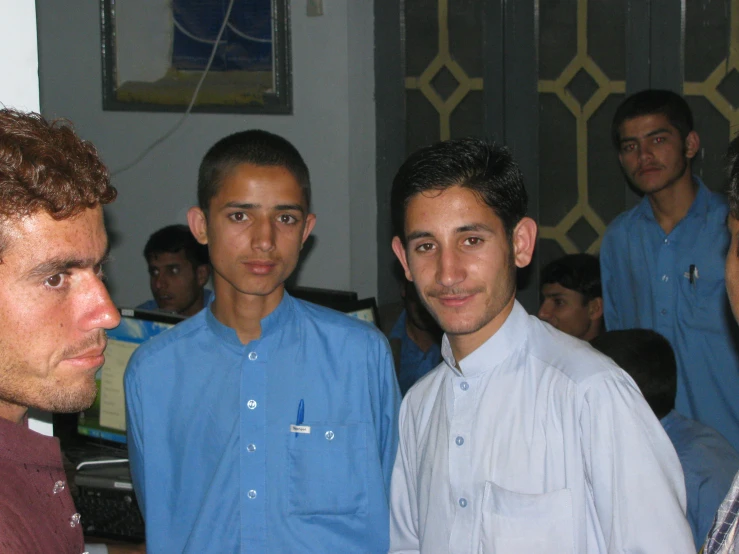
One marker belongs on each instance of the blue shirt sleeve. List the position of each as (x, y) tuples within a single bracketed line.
[(134, 428)]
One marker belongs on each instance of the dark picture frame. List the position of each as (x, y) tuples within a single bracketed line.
[(152, 71)]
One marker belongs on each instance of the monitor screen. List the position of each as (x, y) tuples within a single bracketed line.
[(106, 418), (365, 309)]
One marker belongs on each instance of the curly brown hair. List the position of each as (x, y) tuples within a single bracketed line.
[(45, 166)]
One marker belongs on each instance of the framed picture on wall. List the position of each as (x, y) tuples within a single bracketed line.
[(155, 53)]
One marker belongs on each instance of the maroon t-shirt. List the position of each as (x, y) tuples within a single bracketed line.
[(37, 513)]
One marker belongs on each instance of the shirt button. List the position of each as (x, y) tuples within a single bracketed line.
[(252, 356), (74, 520), (663, 311), (329, 435), (463, 502), (59, 487), (252, 494), (251, 448), (464, 385), (667, 241), (665, 278), (251, 404), (459, 441)]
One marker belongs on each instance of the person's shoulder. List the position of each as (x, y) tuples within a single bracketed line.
[(570, 357), (166, 341), (622, 223), (329, 320)]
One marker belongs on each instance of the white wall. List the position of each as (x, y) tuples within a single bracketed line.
[(332, 125)]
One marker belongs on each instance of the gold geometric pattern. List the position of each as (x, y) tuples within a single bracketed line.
[(581, 113), (443, 60), (709, 87)]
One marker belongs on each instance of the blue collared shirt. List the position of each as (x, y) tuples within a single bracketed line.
[(216, 465), (414, 362), (648, 283), (709, 464)]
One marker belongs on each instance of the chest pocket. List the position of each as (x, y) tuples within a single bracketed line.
[(706, 298), (515, 522), (328, 470)]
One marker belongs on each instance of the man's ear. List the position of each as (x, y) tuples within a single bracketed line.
[(524, 241), (198, 224), (399, 250), (310, 222), (692, 145), (595, 308), (201, 274)]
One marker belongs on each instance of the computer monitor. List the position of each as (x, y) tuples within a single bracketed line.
[(365, 309), (106, 418)]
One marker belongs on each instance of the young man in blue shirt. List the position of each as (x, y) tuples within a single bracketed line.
[(263, 424), (662, 262)]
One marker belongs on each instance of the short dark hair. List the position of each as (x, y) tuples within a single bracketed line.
[(255, 147), (46, 167), (648, 357), (651, 102), (485, 168), (578, 272), (733, 192), (172, 239)]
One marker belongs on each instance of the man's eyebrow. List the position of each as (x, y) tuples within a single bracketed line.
[(658, 131), (418, 235), (61, 264), (475, 227), (252, 206)]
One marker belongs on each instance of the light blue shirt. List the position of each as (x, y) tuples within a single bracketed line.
[(414, 362), (217, 466), (152, 305), (709, 464), (536, 443), (647, 283)]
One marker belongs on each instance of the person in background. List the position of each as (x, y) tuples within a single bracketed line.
[(572, 300), (414, 340), (525, 439), (709, 462), (662, 262), (178, 270), (295, 435), (55, 310)]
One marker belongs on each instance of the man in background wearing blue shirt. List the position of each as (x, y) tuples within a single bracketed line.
[(263, 424), (178, 270), (572, 300), (662, 262), (414, 339), (708, 460)]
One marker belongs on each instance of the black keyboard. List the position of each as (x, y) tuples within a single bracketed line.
[(108, 513)]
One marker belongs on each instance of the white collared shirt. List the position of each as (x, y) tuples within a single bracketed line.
[(539, 444)]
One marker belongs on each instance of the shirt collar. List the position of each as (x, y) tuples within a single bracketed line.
[(493, 351), (699, 207), (19, 443), (272, 322)]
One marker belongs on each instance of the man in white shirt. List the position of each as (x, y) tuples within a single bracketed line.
[(524, 439)]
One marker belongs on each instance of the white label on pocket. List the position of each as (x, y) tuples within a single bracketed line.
[(305, 429)]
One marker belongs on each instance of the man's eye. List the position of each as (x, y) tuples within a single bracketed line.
[(55, 281), (238, 216), (627, 147), (473, 241), (174, 270), (288, 219), (425, 247)]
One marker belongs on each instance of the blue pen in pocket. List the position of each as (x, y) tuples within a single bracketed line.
[(301, 413)]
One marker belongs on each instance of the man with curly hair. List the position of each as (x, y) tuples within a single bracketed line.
[(55, 309)]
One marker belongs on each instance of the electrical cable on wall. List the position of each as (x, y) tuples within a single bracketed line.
[(185, 115)]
